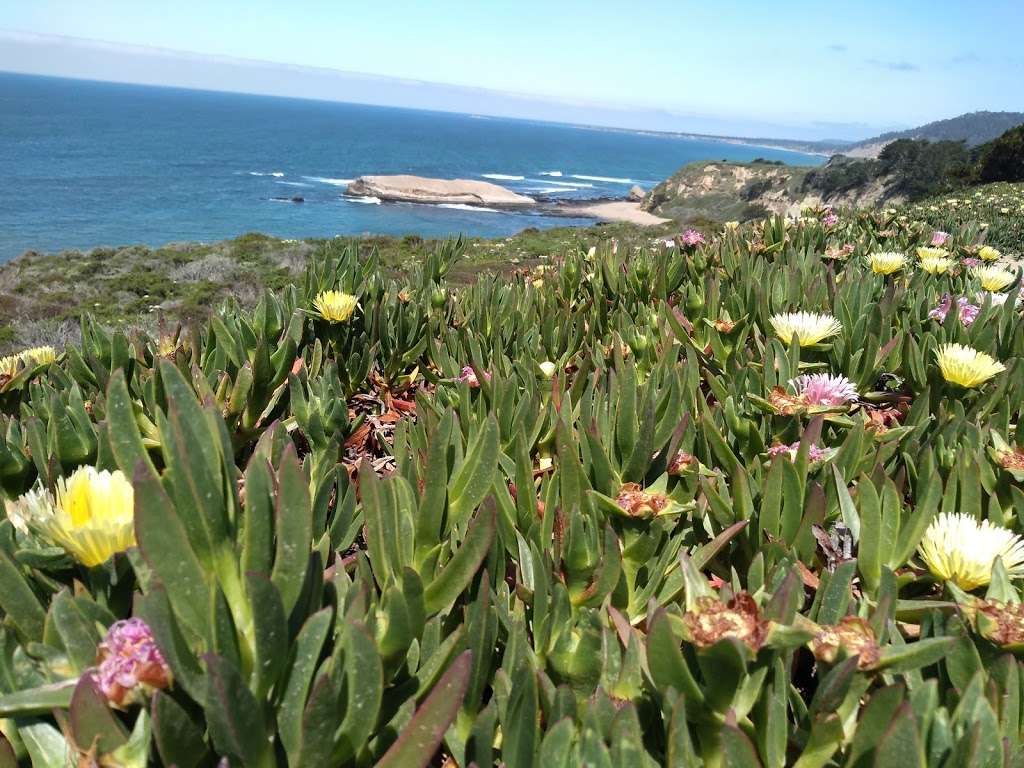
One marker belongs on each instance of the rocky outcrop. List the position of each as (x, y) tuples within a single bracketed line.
[(740, 191), (419, 189), (636, 193)]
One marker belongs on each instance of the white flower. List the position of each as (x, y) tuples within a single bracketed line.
[(961, 549)]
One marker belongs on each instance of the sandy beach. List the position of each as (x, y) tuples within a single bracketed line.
[(621, 211)]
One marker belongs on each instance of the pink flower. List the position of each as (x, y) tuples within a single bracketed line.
[(468, 375), (971, 262), (814, 453), (968, 312), (939, 238), (830, 219), (130, 663), (692, 238), (824, 389)]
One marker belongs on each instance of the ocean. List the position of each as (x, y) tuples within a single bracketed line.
[(85, 164)]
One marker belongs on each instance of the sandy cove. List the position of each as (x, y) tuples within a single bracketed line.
[(620, 210)]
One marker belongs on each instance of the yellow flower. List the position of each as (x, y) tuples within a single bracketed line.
[(960, 549), (965, 366), (335, 306), (926, 251), (29, 357), (993, 278), (988, 253), (806, 327), (92, 515), (887, 262), (934, 264)]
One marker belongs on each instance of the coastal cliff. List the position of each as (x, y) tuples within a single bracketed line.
[(724, 191)]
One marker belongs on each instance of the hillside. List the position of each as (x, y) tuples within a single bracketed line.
[(723, 191), (972, 128)]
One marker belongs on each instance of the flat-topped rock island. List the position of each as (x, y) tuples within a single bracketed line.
[(419, 189)]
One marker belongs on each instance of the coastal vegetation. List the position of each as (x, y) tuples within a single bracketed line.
[(753, 497)]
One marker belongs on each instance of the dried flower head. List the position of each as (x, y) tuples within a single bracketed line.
[(814, 453), (635, 501), (1000, 623), (130, 664), (682, 463), (739, 619), (959, 548), (806, 328), (965, 366), (852, 636), (468, 376)]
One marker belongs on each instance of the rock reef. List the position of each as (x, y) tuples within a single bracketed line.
[(419, 189)]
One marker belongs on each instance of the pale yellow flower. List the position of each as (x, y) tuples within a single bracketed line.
[(927, 251), (994, 278), (335, 306), (29, 358), (960, 549), (806, 328), (965, 366), (988, 253), (934, 264), (885, 263), (91, 516)]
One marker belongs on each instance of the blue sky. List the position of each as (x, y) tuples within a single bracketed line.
[(800, 68)]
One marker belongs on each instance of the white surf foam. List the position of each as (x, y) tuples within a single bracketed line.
[(293, 183), (550, 173), (608, 179), (464, 207), (502, 177), (365, 200), (275, 174), (328, 180), (570, 184), (549, 190)]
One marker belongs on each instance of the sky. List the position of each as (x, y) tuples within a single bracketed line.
[(736, 67)]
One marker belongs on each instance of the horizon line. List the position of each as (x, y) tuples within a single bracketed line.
[(160, 52)]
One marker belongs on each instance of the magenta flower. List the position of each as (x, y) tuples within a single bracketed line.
[(968, 312), (130, 663), (830, 219), (824, 389), (692, 238), (468, 376), (939, 238), (814, 453), (971, 262)]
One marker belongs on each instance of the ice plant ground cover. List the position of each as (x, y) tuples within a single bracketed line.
[(606, 513)]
